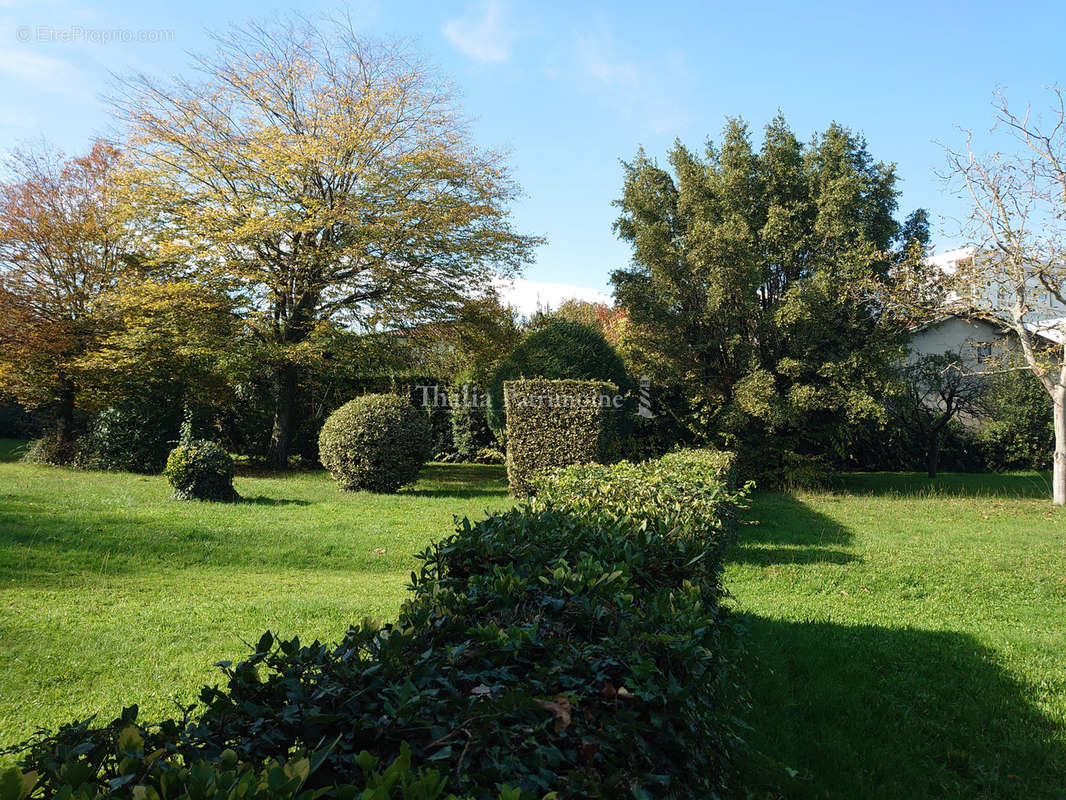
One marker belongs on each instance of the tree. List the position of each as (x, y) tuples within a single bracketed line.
[(752, 284), (938, 389), (608, 320), (1016, 277), (172, 342), (329, 178), (468, 347), (62, 246)]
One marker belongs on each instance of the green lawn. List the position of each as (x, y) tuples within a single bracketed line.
[(904, 642), (111, 592)]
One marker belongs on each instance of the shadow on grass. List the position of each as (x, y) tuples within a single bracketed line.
[(464, 481), (12, 450), (871, 712), (780, 529), (947, 484), (768, 556), (263, 500)]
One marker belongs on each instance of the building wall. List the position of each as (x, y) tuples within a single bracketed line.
[(959, 336)]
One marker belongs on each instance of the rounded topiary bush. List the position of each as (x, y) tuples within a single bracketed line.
[(377, 442), (201, 470)]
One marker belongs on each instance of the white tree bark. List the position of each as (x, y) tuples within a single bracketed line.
[(1059, 474)]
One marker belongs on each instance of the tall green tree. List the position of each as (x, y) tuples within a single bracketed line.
[(755, 282)]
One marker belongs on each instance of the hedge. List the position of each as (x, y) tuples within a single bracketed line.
[(554, 423), (562, 350), (132, 437), (543, 649), (470, 426), (690, 494)]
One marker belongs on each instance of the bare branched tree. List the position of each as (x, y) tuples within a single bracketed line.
[(938, 389), (1016, 278)]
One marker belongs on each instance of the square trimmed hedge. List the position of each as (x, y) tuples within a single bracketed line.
[(556, 423)]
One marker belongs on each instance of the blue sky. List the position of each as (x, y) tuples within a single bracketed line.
[(568, 91)]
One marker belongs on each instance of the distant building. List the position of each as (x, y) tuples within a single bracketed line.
[(975, 341)]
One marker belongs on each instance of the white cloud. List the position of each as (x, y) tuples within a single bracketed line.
[(484, 33), (527, 296), (642, 91), (26, 64)]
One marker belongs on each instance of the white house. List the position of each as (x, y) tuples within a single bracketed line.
[(975, 341)]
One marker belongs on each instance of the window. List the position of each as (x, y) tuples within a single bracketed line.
[(984, 352)]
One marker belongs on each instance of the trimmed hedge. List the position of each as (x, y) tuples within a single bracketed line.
[(562, 350), (555, 423), (201, 470), (690, 494), (377, 443), (548, 649)]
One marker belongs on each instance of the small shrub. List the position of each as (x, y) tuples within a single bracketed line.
[(377, 442), (560, 351), (489, 455), (51, 449), (554, 423), (470, 425), (130, 438), (201, 471)]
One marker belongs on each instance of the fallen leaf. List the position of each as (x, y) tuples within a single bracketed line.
[(559, 706), (379, 550)]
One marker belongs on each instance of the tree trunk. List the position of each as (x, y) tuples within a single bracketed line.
[(286, 380), (65, 413), (933, 459), (1059, 475)]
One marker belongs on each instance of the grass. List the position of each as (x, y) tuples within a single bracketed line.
[(906, 638), (111, 592)]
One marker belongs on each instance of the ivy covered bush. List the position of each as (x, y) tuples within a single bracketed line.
[(554, 423), (545, 649), (133, 437), (200, 470), (377, 443)]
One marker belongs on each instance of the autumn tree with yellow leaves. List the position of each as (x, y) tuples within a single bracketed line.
[(330, 179)]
